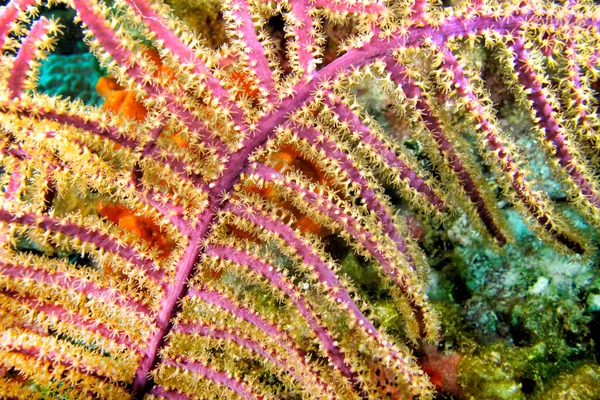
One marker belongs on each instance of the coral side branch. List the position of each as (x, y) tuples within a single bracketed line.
[(412, 91), (547, 116), (327, 278), (269, 354), (72, 282), (273, 332), (17, 178), (239, 14), (110, 41), (346, 115), (64, 315), (365, 238), (9, 15), (54, 111), (186, 55), (269, 126), (243, 258), (240, 311), (234, 336), (102, 241), (54, 357), (27, 53), (216, 376), (248, 315), (532, 201), (322, 142), (585, 120), (303, 33)]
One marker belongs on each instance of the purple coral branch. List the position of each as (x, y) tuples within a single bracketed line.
[(159, 123), (593, 60), (21, 68), (323, 142), (418, 11), (530, 199), (235, 336), (269, 272), (107, 131), (89, 235), (301, 27), (56, 358), (368, 137), (104, 130), (547, 116), (412, 91), (328, 279), (365, 238), (78, 284), (574, 78), (583, 119), (240, 13), (272, 331), (186, 55), (9, 15), (15, 183), (111, 42), (240, 339), (242, 312), (220, 377), (70, 317)]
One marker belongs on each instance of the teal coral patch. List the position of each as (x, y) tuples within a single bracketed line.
[(73, 76)]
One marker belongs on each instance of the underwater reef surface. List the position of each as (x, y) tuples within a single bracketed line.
[(518, 321)]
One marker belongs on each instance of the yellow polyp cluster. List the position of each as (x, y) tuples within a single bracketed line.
[(52, 378), (53, 356)]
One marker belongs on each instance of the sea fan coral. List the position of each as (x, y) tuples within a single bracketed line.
[(221, 178)]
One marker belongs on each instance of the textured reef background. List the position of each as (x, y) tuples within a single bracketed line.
[(518, 322)]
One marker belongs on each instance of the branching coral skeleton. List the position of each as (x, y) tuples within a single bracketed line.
[(219, 174)]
